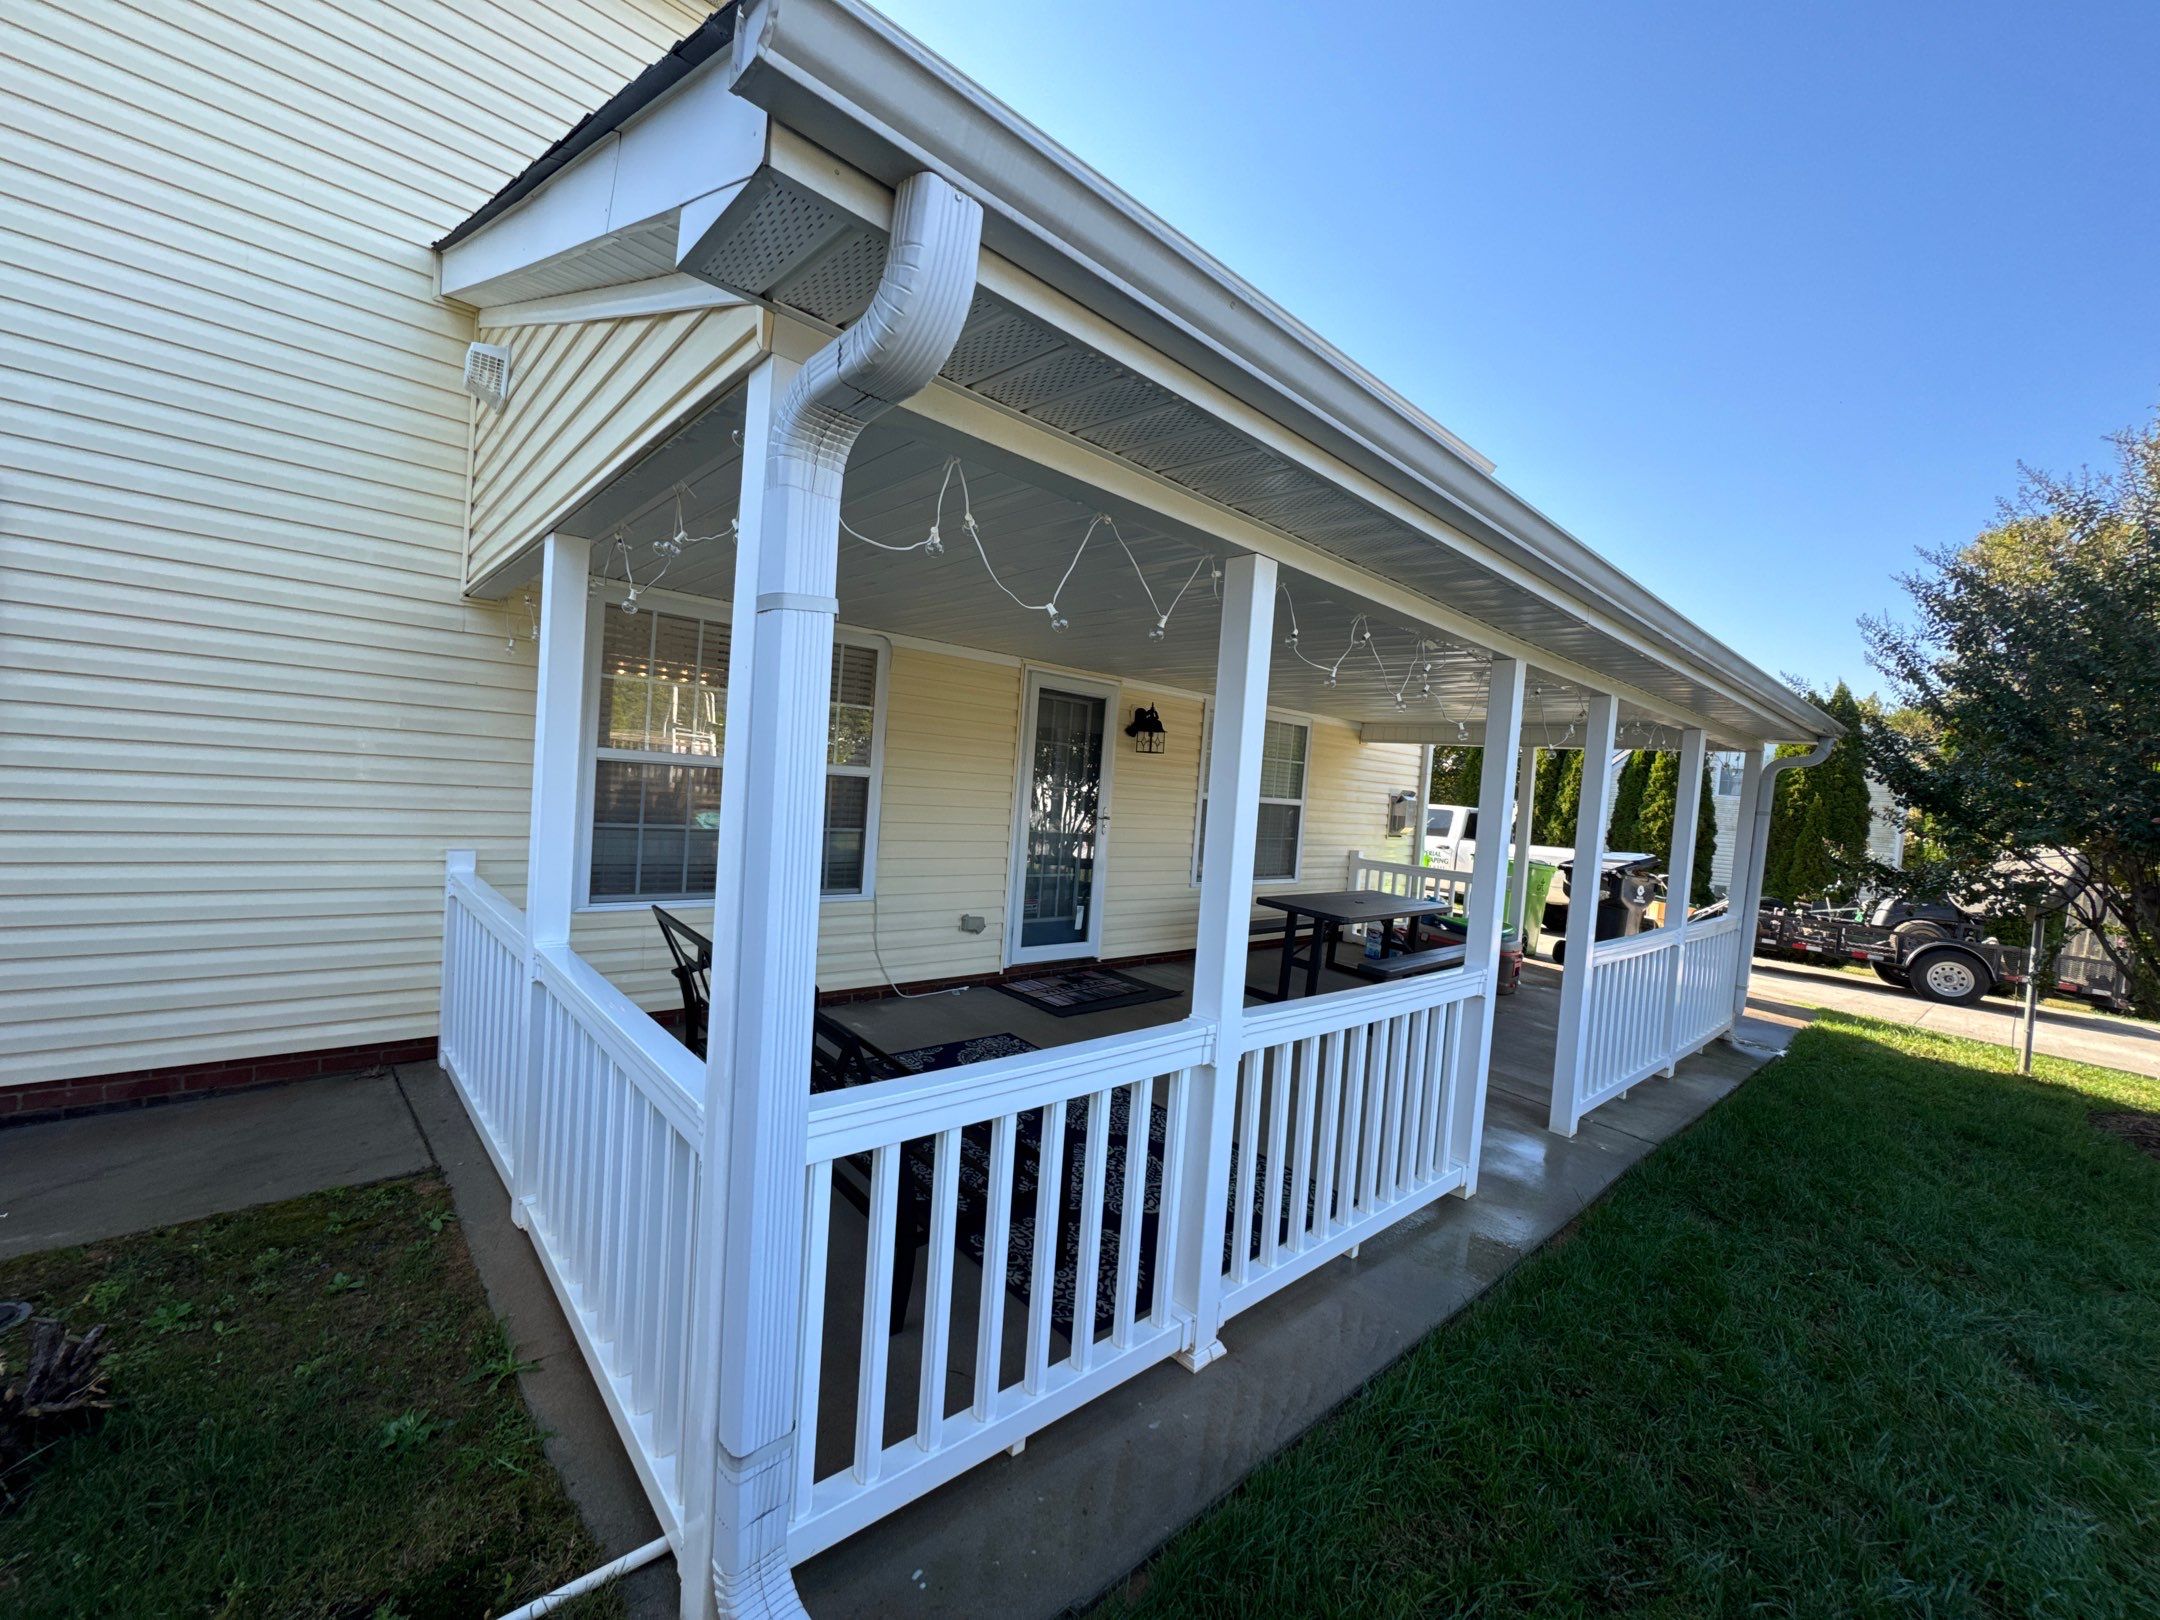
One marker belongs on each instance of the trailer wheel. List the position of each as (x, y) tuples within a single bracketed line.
[(1947, 975), (1891, 975)]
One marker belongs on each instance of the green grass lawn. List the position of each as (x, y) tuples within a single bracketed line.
[(1880, 1335), (319, 1416)]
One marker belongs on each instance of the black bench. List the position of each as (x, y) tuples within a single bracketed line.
[(1401, 966)]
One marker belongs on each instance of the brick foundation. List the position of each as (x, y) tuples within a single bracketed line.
[(94, 1093)]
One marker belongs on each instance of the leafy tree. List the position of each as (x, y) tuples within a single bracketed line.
[(1660, 807), (1455, 775), (1624, 830), (1819, 818), (2031, 674), (1559, 790), (1705, 835)]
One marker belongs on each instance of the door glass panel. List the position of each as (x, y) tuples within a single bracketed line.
[(1063, 814)]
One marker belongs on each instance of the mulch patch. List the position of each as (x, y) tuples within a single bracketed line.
[(2139, 1129)]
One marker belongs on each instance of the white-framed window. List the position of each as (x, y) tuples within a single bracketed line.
[(659, 722), (1279, 845)]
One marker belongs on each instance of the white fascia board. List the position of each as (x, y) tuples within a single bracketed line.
[(697, 139), (854, 85), (660, 295)]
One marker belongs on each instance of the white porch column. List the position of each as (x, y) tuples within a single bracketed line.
[(1680, 875), (1571, 1042), (552, 841), (1488, 881), (1518, 896), (1223, 946), (1743, 895)]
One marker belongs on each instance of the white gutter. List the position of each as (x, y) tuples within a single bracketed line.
[(1757, 844), (743, 1417)]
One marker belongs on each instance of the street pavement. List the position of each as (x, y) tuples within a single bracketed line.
[(2081, 1034)]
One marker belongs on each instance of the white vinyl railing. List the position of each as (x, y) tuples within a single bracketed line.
[(1346, 1121), (986, 1248), (1654, 999), (1035, 1187), (483, 1008), (1404, 878), (1709, 965), (590, 1112), (1631, 997)]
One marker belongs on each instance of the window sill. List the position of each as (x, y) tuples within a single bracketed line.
[(702, 901)]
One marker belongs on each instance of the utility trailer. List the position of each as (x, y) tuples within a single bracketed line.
[(1932, 948)]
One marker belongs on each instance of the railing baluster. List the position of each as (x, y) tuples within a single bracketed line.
[(997, 1238), (1170, 1197), (883, 1233), (1132, 1194), (1307, 1053), (1042, 1285), (1410, 1167), (1332, 1082), (938, 1290), (1351, 1180), (1088, 1262), (1248, 1151), (817, 1238), (1275, 1067)]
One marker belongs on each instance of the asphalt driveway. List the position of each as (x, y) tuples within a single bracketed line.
[(2079, 1034)]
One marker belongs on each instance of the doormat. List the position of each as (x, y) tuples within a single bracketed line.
[(923, 1059), (1085, 990)]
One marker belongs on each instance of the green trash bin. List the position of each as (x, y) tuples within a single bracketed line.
[(1540, 886)]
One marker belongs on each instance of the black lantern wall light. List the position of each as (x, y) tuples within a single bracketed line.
[(1146, 731)]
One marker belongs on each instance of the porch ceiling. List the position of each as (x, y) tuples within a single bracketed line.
[(1031, 533)]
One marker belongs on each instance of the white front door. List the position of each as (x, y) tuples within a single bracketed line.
[(1062, 821)]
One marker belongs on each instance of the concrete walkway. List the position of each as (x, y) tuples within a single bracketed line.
[(2082, 1034)]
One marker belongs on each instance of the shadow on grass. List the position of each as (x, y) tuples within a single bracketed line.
[(1881, 1334)]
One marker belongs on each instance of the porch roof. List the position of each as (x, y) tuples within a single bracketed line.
[(1096, 324)]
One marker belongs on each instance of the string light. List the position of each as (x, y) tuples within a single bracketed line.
[(1418, 666)]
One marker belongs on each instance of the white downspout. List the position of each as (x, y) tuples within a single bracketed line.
[(1757, 848), (739, 1462)]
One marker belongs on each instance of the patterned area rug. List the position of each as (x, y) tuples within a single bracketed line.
[(1084, 990), (950, 1055)]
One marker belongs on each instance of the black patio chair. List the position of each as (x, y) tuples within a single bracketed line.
[(693, 972)]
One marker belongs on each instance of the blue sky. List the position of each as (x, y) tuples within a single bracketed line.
[(1754, 299)]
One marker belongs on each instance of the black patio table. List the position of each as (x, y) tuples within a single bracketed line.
[(1333, 911)]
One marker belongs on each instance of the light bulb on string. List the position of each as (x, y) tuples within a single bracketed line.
[(1058, 621), (1162, 627)]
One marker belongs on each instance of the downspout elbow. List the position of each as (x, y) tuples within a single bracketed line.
[(903, 338)]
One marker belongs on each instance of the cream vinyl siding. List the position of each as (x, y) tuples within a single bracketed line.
[(243, 706), (945, 835), (585, 399)]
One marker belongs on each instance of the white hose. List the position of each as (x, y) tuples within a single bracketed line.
[(615, 1570)]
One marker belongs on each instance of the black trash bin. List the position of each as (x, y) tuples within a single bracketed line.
[(1625, 889)]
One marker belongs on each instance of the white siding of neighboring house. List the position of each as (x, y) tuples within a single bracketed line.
[(243, 705), (1886, 836)]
